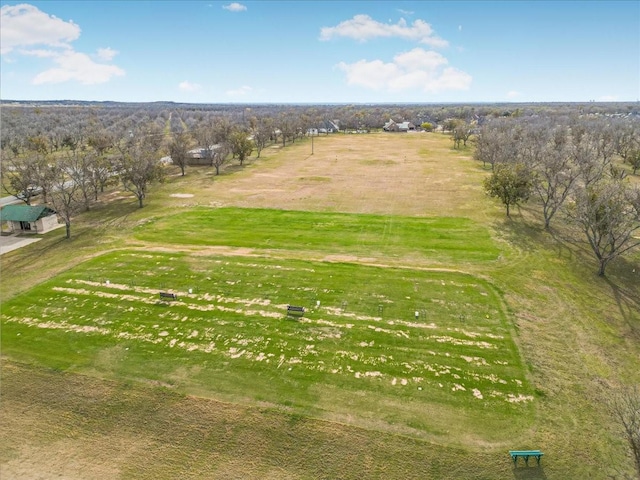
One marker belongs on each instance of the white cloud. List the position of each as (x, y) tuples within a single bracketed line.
[(235, 7), (608, 98), (187, 86), (417, 69), (41, 53), (240, 92), (419, 59), (25, 25), (78, 67), (406, 12), (513, 94), (363, 27), (24, 28), (107, 54)]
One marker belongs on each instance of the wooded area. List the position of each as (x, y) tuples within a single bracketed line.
[(572, 159)]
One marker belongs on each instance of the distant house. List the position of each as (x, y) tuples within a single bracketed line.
[(198, 156), (29, 219), (332, 126), (326, 127), (406, 127), (392, 126)]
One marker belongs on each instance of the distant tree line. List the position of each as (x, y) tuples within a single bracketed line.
[(55, 125)]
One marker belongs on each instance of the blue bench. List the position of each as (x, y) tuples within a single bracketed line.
[(515, 454)]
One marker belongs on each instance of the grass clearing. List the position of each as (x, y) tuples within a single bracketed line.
[(361, 355), (431, 240)]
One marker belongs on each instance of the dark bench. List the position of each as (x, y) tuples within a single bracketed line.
[(515, 454), (168, 296), (291, 310)]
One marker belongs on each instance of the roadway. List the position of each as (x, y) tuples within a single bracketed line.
[(9, 201)]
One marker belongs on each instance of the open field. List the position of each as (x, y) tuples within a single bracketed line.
[(360, 357), (518, 344)]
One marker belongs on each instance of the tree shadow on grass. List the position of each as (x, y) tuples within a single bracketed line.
[(232, 168), (622, 275), (520, 232), (529, 473), (624, 283)]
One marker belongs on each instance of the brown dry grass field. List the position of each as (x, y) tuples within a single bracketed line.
[(579, 336), (361, 174)]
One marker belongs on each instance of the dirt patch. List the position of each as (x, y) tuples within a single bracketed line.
[(374, 173), (181, 195)]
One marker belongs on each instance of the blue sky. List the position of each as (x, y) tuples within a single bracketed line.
[(321, 51)]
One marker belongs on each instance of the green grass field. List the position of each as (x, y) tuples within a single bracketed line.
[(361, 353), (440, 340), (437, 240)]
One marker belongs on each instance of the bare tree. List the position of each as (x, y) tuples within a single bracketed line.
[(90, 171), (626, 411), (219, 156), (27, 175), (461, 133), (205, 137), (589, 155), (179, 150), (101, 141), (213, 144), (262, 132), (38, 143), (100, 173), (627, 138), (287, 124), (554, 174), (634, 160), (79, 166), (495, 144), (65, 196), (608, 212), (19, 176), (139, 162), (222, 129)]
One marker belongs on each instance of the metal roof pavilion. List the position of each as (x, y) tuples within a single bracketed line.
[(24, 213)]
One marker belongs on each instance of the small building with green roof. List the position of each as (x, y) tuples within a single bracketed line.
[(29, 218)]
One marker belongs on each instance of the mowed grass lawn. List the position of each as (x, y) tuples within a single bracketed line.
[(427, 354), (445, 240), (516, 344)]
